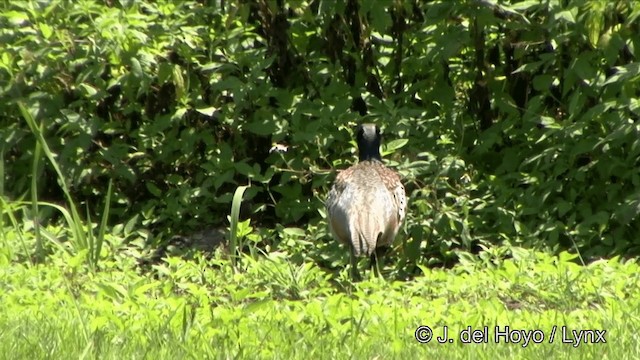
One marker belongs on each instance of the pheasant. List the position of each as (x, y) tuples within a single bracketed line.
[(366, 204)]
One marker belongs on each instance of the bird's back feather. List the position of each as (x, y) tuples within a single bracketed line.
[(366, 206)]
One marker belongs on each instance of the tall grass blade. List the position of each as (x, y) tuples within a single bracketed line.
[(65, 213), (7, 209), (35, 212), (90, 237), (80, 241), (103, 225), (2, 170), (234, 247)]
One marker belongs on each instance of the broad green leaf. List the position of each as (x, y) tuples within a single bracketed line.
[(153, 189), (136, 68), (46, 30), (244, 169), (291, 231), (394, 145), (566, 15), (16, 18), (594, 25), (624, 73), (208, 111)]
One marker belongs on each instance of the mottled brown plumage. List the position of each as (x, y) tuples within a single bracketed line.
[(367, 202)]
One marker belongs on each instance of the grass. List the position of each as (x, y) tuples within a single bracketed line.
[(87, 297), (76, 290), (271, 308)]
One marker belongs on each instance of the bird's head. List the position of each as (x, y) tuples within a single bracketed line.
[(368, 138)]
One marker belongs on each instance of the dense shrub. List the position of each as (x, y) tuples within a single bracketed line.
[(510, 122)]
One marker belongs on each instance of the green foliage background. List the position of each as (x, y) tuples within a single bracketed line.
[(512, 123)]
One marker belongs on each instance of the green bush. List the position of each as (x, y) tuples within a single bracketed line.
[(512, 122)]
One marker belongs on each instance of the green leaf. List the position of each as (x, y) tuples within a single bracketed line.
[(262, 126), (549, 122), (153, 189), (594, 25), (380, 18), (566, 15), (624, 73), (529, 67), (295, 232), (16, 18), (234, 246), (165, 72), (136, 68), (131, 223), (394, 145), (542, 82), (88, 90), (178, 82), (46, 30), (527, 5), (208, 111), (244, 169)]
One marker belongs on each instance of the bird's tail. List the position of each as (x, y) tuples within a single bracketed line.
[(368, 233)]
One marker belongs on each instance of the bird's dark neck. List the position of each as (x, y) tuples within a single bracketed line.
[(370, 154)]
